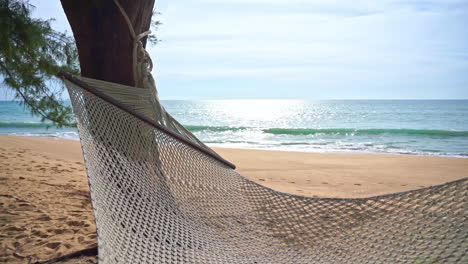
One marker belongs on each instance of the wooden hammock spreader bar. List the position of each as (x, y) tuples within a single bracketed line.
[(148, 121)]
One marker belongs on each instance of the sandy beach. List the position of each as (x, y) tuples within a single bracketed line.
[(45, 208)]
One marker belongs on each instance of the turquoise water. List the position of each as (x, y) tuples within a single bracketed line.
[(422, 127)]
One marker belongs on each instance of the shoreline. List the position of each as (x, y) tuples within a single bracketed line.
[(217, 146), (340, 152)]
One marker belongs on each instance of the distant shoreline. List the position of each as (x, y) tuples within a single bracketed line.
[(218, 146)]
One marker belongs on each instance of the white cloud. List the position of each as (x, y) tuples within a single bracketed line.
[(322, 43), (385, 40)]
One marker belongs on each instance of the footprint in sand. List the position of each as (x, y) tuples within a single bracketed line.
[(53, 245), (67, 246), (25, 207), (76, 214), (41, 242), (90, 242), (21, 236), (44, 218), (14, 228), (75, 223), (16, 244), (39, 234), (56, 231)]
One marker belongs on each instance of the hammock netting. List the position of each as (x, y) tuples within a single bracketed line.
[(159, 199)]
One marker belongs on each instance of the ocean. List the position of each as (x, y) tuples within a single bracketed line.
[(417, 127)]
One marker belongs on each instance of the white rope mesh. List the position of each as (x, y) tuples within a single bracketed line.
[(159, 200)]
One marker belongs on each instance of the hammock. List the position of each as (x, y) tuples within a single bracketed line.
[(161, 196)]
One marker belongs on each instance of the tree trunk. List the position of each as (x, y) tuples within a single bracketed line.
[(104, 41), (103, 38)]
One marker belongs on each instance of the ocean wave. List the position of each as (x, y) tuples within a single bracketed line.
[(59, 135), (24, 125), (337, 131), (195, 128), (284, 131), (311, 131)]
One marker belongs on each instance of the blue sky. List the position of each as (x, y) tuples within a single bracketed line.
[(313, 49)]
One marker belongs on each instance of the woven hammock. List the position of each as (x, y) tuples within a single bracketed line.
[(161, 196)]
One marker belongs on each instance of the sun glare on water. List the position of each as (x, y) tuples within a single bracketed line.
[(256, 112)]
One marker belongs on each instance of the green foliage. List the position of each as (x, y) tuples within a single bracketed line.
[(155, 24), (31, 54)]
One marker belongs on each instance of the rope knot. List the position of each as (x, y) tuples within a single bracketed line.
[(139, 54)]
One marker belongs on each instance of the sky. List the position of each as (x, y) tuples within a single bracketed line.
[(306, 49)]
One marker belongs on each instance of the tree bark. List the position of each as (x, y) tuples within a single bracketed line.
[(102, 36), (105, 45)]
